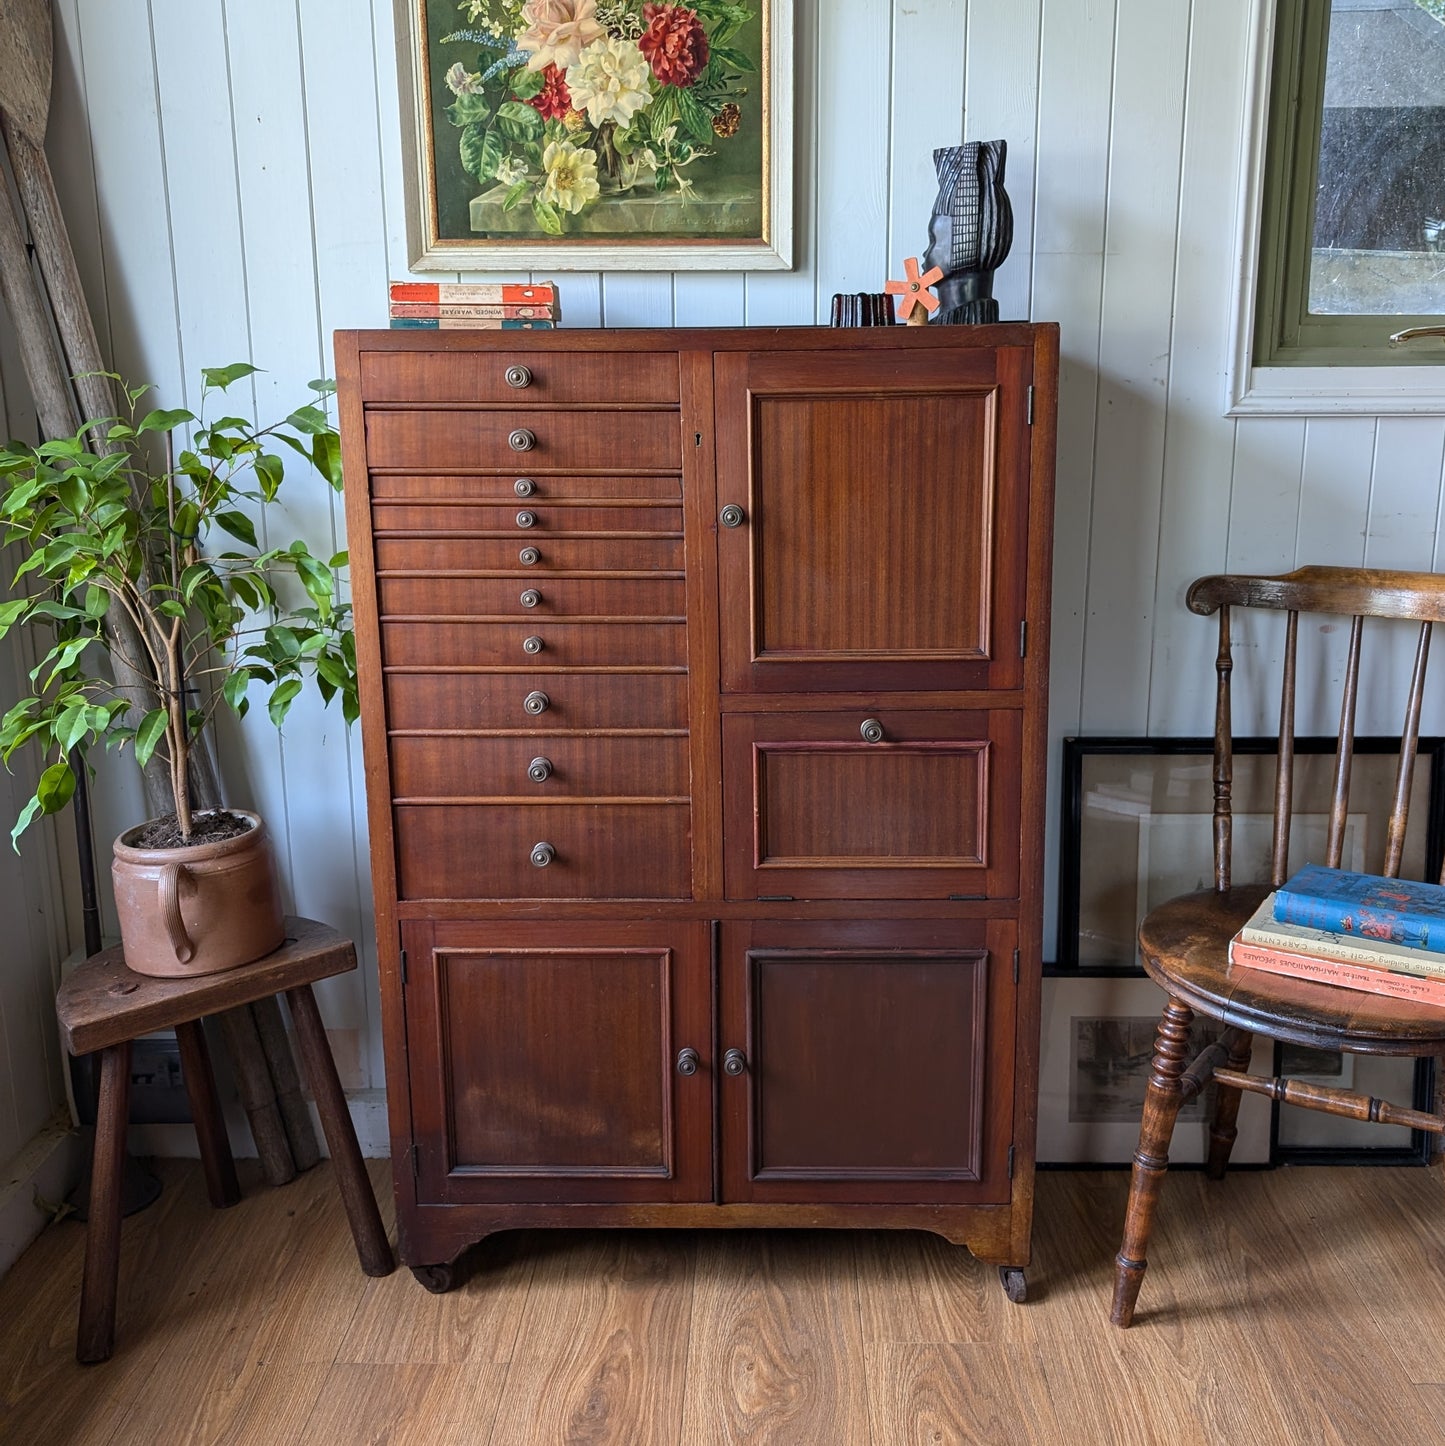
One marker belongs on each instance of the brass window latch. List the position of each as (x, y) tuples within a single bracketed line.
[(1415, 333)]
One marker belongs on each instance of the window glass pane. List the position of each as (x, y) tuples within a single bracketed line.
[(1379, 231)]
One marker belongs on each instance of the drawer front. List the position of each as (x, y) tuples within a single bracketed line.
[(477, 851), (493, 554), (486, 702), (527, 594), (554, 440), (544, 643), (503, 487), (478, 767), (525, 516), (552, 376), (929, 810)]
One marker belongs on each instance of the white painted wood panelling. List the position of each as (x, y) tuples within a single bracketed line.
[(232, 175)]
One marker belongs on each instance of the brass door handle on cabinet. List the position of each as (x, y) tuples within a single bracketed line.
[(535, 703), (732, 515), (533, 644), (530, 598), (524, 487), (872, 730), (519, 376), (526, 519), (539, 770), (529, 557), (734, 1062), (542, 855), (522, 440), (688, 1061)]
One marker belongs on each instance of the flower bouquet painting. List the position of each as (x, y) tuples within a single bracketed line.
[(599, 134)]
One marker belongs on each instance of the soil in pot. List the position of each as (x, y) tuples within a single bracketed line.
[(165, 833)]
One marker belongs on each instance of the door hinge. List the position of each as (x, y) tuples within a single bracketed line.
[(1024, 638), (1016, 966), (1031, 407), (1010, 1162)]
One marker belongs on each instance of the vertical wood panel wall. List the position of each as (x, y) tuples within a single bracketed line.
[(232, 173)]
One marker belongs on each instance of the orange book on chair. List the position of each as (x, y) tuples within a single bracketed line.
[(1361, 977)]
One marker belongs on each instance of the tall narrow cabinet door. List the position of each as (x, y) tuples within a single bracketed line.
[(867, 1062), (548, 1061), (873, 516)]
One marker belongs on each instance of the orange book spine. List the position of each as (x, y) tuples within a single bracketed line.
[(436, 293), (1333, 971)]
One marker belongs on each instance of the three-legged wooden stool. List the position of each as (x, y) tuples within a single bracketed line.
[(104, 1006)]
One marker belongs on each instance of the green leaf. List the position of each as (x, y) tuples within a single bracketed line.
[(334, 670), (222, 377), (239, 526), (234, 690), (309, 419), (518, 122), (514, 196), (192, 578), (188, 519), (322, 386), (283, 642), (73, 493), (729, 55), (695, 116), (482, 151), (326, 456), (72, 726), (170, 608), (11, 611), (152, 729), (55, 788), (164, 421), (317, 580), (245, 589), (548, 217), (467, 110), (27, 817), (270, 471), (282, 696), (527, 83)]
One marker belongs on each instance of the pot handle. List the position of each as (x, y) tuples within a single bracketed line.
[(170, 886)]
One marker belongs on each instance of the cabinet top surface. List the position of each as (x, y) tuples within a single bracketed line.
[(750, 338)]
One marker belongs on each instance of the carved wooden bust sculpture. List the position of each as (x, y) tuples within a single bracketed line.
[(971, 230)]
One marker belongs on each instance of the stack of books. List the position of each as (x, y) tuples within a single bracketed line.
[(1358, 931), (461, 305)]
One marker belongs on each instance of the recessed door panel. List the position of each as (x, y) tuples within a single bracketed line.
[(898, 805), (879, 532), (555, 1051), (867, 1061)]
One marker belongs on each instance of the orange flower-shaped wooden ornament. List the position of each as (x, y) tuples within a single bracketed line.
[(916, 302)]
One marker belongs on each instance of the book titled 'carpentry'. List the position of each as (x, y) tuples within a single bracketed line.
[(1367, 906)]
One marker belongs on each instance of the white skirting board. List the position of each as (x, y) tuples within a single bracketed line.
[(368, 1114), (42, 1174)]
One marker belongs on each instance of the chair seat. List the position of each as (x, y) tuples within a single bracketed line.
[(1185, 948)]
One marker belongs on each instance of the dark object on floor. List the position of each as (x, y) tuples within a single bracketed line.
[(1185, 943), (971, 230), (103, 1006)]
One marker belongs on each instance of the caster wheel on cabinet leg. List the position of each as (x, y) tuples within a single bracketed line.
[(436, 1278), (1011, 1277)]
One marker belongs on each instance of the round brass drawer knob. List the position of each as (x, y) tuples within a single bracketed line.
[(731, 516), (522, 440), (533, 645), (524, 487), (539, 770), (519, 376), (530, 598), (734, 1062), (872, 730), (526, 519), (529, 557), (542, 855), (535, 703)]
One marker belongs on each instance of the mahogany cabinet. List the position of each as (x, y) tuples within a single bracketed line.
[(703, 689)]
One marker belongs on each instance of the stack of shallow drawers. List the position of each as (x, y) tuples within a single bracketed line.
[(527, 519)]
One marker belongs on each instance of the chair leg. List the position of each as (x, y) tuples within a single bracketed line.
[(222, 1187), (1222, 1129), (367, 1230), (1151, 1159), (95, 1338)]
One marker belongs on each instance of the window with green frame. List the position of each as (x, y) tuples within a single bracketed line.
[(1352, 236)]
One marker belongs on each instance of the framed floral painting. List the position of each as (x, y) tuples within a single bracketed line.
[(597, 134)]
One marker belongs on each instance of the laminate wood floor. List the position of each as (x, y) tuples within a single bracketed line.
[(1303, 1305)]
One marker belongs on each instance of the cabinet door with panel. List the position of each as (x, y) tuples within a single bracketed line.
[(873, 517), (867, 1063), (555, 1062)]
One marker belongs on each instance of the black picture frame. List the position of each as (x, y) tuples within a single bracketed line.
[(1178, 767)]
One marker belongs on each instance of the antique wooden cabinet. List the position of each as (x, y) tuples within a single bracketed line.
[(703, 686)]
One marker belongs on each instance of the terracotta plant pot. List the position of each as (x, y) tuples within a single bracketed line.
[(200, 908)]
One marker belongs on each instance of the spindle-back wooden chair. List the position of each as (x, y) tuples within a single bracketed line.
[(1184, 943)]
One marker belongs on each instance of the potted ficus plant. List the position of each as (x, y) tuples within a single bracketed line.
[(128, 546)]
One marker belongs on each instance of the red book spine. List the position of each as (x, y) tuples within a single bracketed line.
[(1334, 971), (434, 293)]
